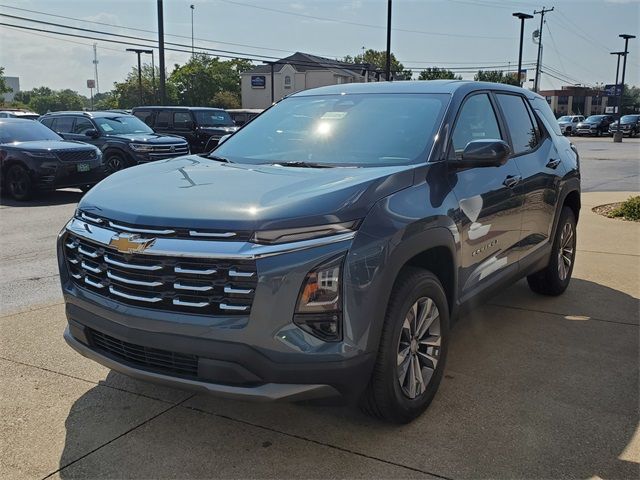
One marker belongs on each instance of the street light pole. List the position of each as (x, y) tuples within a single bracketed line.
[(615, 92), (522, 17), (618, 135), (161, 53), (139, 51), (193, 51), (388, 66)]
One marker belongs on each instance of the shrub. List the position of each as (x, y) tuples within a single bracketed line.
[(629, 209)]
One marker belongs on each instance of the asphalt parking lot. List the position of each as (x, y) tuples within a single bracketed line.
[(535, 387)]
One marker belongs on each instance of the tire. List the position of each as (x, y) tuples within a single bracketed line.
[(390, 395), (554, 279), (19, 183), (115, 162)]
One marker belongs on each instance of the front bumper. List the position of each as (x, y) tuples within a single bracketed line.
[(52, 175)]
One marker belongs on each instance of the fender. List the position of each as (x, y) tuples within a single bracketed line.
[(570, 185), (394, 253)]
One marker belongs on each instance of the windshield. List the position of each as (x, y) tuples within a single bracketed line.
[(121, 124), (565, 119), (594, 118), (356, 130), (629, 118), (26, 131), (213, 118)]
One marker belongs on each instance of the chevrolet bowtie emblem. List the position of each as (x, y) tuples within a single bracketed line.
[(130, 243)]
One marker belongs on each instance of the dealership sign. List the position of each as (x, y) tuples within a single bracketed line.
[(258, 81), (612, 91)]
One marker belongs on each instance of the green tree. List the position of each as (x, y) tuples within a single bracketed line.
[(44, 99), (435, 73), (198, 81), (4, 88), (630, 99), (127, 93), (104, 101), (378, 61), (226, 100), (496, 76)]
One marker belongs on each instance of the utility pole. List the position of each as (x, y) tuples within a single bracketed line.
[(193, 50), (388, 66), (536, 84), (95, 66), (162, 92), (522, 17), (617, 137)]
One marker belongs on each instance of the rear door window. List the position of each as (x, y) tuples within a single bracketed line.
[(182, 120), (82, 125), (163, 119), (521, 126), (146, 116), (64, 124)]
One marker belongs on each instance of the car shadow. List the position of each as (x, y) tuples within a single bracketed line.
[(57, 197), (526, 394)]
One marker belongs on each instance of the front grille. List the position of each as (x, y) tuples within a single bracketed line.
[(76, 155), (154, 359), (177, 284), (167, 151), (169, 231)]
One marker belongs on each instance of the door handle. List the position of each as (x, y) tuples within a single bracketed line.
[(553, 163), (511, 181)]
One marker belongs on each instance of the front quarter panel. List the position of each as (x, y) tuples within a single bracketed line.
[(398, 228)]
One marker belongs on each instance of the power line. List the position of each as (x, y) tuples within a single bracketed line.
[(357, 24), (144, 30)]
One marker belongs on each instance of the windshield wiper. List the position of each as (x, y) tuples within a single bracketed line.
[(219, 159), (301, 164)]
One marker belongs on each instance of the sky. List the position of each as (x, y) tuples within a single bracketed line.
[(462, 34)]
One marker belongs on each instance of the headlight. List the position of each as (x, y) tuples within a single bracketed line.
[(41, 154), (319, 305), (303, 233), (141, 147)]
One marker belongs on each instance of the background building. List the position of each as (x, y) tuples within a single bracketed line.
[(299, 71), (571, 100), (14, 84)]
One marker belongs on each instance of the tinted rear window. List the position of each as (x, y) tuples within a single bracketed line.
[(520, 123)]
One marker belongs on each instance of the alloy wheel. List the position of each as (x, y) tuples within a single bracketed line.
[(115, 163), (419, 347), (566, 251)]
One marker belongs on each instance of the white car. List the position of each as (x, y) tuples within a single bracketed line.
[(568, 123)]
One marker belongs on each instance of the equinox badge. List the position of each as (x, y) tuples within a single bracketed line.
[(130, 243)]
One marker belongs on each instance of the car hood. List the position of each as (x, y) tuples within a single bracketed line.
[(154, 138), (587, 124), (50, 145), (195, 192)]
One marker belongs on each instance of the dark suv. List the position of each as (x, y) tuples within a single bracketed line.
[(123, 139), (594, 125), (34, 159), (201, 126), (629, 125), (326, 255)]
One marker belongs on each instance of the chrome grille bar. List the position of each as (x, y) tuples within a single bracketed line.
[(182, 303), (239, 308), (133, 266), (195, 271), (86, 266), (91, 218), (141, 230), (195, 233), (130, 281), (241, 291), (88, 281), (134, 297), (87, 252), (195, 288), (235, 273)]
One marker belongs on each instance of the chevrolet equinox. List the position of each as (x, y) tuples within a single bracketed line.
[(325, 248)]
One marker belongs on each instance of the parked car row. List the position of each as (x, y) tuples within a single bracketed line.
[(598, 125), (78, 149)]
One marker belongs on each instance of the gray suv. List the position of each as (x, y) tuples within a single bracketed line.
[(325, 248)]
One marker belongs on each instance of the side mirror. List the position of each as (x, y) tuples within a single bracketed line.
[(484, 153), (92, 132)]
